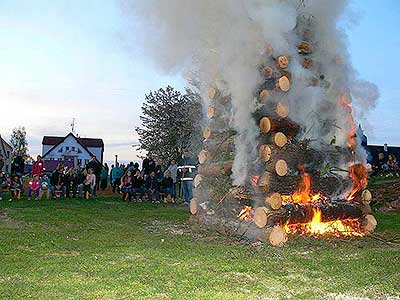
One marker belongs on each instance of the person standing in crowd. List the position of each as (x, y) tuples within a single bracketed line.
[(152, 187), (116, 175), (38, 166), (89, 184), (96, 169), (187, 169), (392, 163), (2, 163), (44, 186), (57, 181), (159, 169), (173, 169), (166, 185), (17, 166), (126, 186), (4, 184), (103, 178), (82, 176), (138, 186), (148, 166), (34, 187)]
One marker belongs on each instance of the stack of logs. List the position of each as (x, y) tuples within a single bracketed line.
[(276, 173)]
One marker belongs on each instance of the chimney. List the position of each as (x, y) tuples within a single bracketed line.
[(385, 147)]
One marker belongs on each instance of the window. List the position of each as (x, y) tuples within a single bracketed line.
[(73, 148), (60, 150), (59, 159), (86, 161), (79, 161), (66, 148)]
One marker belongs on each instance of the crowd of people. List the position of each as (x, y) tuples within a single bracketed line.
[(386, 166), (154, 181)]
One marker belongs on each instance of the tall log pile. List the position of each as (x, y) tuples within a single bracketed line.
[(282, 159)]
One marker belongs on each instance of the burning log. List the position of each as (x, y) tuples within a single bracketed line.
[(276, 236), (295, 213), (216, 169), (285, 126)]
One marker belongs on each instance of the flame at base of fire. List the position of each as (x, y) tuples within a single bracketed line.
[(316, 228)]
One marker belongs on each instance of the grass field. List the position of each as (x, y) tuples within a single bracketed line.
[(104, 249)]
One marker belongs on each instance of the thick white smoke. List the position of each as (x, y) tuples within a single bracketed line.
[(221, 41)]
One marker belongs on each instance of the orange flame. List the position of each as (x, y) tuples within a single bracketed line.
[(303, 193), (348, 227), (359, 176), (246, 214)]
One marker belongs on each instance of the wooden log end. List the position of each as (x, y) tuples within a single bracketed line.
[(210, 112), (207, 133), (282, 110), (203, 156), (281, 167), (284, 83), (277, 236), (212, 93), (274, 200), (265, 125), (282, 61), (265, 153), (197, 180), (193, 206), (264, 96), (366, 196), (280, 139), (369, 223), (260, 217)]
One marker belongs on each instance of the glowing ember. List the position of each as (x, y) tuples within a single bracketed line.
[(348, 227), (246, 214)]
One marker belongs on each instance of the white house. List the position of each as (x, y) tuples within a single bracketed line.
[(7, 151), (71, 149)]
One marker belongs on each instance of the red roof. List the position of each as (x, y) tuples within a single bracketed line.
[(87, 142)]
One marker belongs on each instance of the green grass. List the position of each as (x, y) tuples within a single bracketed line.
[(103, 249)]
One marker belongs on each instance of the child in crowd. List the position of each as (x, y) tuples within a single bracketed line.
[(34, 187), (15, 188), (4, 184), (126, 186), (89, 183), (44, 187)]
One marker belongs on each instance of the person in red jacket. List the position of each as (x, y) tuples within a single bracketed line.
[(38, 166), (34, 187)]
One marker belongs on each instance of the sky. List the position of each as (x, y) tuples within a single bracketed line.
[(65, 59)]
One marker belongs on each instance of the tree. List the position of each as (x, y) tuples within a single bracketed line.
[(19, 142), (170, 123)]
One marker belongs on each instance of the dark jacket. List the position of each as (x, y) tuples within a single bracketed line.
[(152, 183), (167, 183), (95, 166), (57, 178), (138, 182)]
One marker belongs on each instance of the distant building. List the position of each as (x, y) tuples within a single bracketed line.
[(7, 151), (374, 150), (71, 150)]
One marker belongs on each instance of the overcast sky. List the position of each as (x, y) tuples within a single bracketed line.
[(61, 59)]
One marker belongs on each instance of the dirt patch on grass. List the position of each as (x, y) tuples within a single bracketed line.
[(7, 221)]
